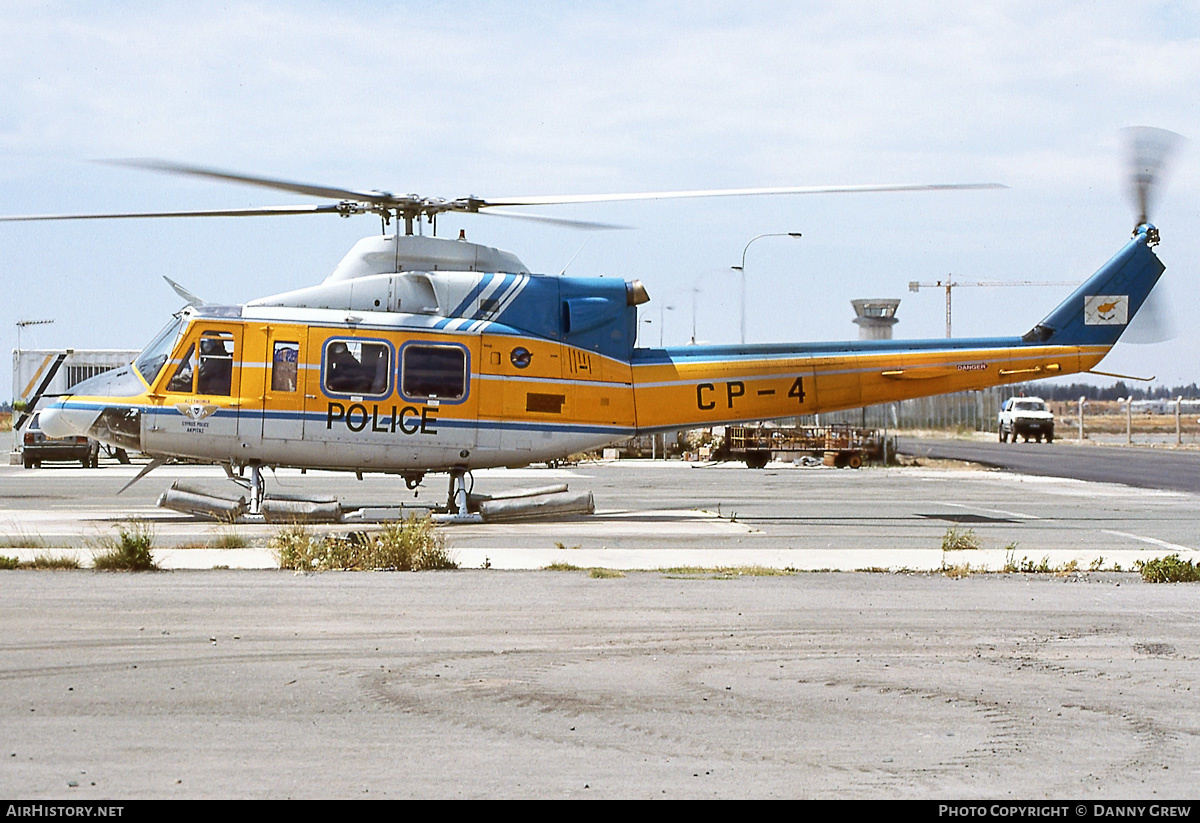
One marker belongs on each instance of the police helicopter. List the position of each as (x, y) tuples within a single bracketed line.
[(421, 354)]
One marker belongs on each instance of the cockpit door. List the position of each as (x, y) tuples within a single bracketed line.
[(200, 390)]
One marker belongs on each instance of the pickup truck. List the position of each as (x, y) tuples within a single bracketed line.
[(1027, 417)]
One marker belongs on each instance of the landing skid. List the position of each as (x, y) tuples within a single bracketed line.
[(458, 507), (462, 505)]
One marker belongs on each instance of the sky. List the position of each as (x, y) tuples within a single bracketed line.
[(503, 99)]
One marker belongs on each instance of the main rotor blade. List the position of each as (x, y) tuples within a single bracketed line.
[(192, 299), (548, 200), (261, 211), (312, 189), (586, 225)]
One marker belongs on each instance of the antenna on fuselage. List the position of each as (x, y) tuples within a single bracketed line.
[(572, 260)]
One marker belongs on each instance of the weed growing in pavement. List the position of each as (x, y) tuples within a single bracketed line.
[(605, 574), (411, 545), (21, 540), (230, 538), (295, 547), (41, 562), (955, 540), (1168, 570), (46, 561), (130, 550), (725, 572), (957, 570)]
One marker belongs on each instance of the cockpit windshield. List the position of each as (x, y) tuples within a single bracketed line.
[(150, 362)]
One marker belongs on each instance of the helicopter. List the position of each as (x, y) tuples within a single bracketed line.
[(420, 354)]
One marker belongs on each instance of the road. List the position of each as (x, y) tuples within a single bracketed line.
[(1146, 468)]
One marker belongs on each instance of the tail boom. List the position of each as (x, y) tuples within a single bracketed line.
[(676, 388), (694, 386)]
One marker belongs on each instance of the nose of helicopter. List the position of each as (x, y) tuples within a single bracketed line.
[(63, 420)]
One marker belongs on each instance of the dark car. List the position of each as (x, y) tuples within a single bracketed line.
[(37, 447)]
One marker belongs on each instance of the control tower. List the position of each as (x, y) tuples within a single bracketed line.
[(875, 317)]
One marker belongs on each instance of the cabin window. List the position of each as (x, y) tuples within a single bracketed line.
[(434, 372), (356, 367), (214, 375), (285, 363)]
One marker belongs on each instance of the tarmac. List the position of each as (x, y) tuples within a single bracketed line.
[(495, 682), (659, 514)]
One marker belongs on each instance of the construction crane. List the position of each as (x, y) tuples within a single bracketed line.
[(950, 284)]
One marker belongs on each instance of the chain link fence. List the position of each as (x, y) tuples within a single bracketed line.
[(967, 411)]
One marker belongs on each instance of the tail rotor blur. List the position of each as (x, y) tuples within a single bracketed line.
[(1150, 150)]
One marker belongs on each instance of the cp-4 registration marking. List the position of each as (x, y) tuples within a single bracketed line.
[(707, 393)]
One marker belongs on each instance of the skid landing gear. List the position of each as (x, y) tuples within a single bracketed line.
[(256, 489), (457, 506), (254, 485), (461, 505)]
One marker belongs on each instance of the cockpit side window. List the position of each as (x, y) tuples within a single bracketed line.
[(150, 362), (181, 381), (214, 375)]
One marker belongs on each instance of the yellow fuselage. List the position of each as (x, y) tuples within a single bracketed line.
[(506, 399)]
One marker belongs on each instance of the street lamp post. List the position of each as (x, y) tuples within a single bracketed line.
[(662, 321), (742, 269), (695, 294)]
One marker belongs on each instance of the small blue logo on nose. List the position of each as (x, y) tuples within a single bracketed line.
[(520, 357)]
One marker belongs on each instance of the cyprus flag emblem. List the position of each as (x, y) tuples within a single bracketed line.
[(1106, 310)]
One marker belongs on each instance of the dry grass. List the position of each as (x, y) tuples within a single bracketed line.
[(412, 545), (129, 551), (605, 574), (41, 562), (725, 572), (958, 540), (958, 570), (1169, 570), (230, 538), (21, 540)]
